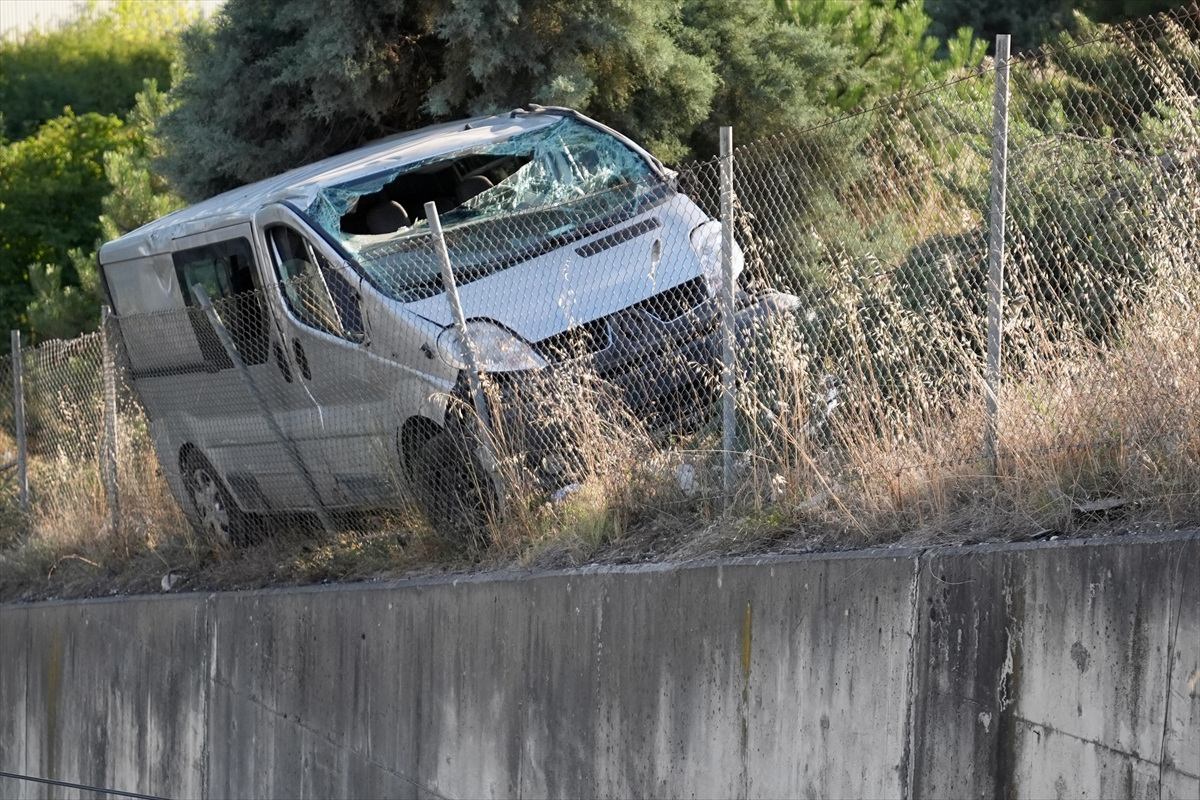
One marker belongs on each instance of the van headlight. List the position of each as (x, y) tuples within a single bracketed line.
[(497, 349), (706, 242)]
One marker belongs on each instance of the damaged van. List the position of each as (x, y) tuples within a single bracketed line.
[(328, 372)]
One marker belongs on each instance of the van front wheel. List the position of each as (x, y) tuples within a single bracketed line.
[(217, 516), (456, 492)]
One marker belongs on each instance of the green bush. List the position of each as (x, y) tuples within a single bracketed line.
[(51, 186), (78, 181), (95, 64), (66, 301), (64, 93)]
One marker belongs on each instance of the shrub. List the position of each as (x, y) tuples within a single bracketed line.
[(94, 64)]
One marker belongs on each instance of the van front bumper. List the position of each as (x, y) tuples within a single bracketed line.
[(662, 377)]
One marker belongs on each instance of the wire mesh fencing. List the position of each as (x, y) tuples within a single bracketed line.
[(85, 445), (530, 331), (880, 224)]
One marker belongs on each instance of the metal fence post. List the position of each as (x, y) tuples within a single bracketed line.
[(289, 446), (996, 216), (108, 448), (18, 369), (474, 376), (728, 419)]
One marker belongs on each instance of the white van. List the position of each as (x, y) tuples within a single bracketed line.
[(569, 242)]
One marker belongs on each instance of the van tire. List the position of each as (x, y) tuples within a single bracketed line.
[(217, 516), (457, 494), (410, 440)]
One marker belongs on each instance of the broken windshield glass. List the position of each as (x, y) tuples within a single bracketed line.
[(500, 203)]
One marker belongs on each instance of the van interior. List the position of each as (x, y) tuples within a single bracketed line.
[(451, 183)]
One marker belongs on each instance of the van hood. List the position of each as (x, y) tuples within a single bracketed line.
[(585, 280)]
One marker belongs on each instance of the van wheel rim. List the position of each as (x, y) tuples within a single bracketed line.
[(214, 516)]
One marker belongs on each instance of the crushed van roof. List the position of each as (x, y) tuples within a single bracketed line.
[(302, 184)]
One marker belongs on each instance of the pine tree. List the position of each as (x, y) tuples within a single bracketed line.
[(1122, 10), (891, 42), (1032, 22), (1029, 22)]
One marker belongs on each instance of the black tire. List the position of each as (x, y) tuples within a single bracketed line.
[(456, 492), (217, 516)]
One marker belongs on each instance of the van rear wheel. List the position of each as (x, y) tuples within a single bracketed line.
[(217, 515)]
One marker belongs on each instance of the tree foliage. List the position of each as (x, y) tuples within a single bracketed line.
[(270, 86), (1032, 22), (66, 299), (891, 44), (79, 181), (1122, 10), (771, 77), (139, 195), (51, 185), (94, 64), (73, 159)]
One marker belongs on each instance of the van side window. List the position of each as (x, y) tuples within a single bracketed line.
[(226, 271), (317, 294)]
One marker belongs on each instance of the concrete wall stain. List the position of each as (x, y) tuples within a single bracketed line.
[(1081, 657), (1009, 683), (53, 687), (747, 641), (747, 646), (1137, 660)]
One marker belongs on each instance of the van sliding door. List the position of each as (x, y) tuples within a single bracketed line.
[(207, 404)]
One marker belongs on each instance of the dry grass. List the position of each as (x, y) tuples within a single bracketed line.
[(1080, 422), (67, 546), (68, 540)]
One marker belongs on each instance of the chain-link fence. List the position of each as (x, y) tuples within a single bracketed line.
[(553, 334), (880, 223), (78, 443)]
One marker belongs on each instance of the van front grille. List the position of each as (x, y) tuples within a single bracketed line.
[(581, 340), (596, 336), (674, 303)]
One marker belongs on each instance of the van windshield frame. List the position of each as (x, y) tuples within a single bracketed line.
[(548, 187)]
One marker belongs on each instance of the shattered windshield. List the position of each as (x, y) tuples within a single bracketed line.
[(499, 203)]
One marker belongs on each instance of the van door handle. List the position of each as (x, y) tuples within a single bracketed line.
[(281, 362), (301, 359)]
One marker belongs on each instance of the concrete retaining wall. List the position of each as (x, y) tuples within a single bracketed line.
[(1065, 669)]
